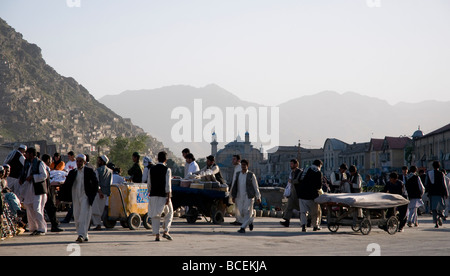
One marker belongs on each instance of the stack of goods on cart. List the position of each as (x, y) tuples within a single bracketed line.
[(58, 177), (204, 180)]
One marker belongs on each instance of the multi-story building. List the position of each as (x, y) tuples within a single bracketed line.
[(432, 146), (395, 153), (244, 148), (375, 150), (331, 150), (356, 154)]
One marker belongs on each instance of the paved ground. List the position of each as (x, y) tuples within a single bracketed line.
[(205, 239)]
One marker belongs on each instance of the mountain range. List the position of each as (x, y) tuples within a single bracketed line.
[(37, 103), (350, 117)]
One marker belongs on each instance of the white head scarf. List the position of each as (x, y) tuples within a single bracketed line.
[(82, 156)]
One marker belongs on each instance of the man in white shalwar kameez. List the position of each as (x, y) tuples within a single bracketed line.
[(81, 188), (35, 193), (245, 190), (193, 166), (160, 190)]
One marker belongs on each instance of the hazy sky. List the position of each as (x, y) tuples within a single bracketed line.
[(265, 51)]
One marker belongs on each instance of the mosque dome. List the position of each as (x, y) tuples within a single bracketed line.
[(417, 134)]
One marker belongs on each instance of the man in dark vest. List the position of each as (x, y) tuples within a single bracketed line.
[(355, 180), (415, 190), (211, 165), (339, 178), (245, 190), (160, 191), (35, 192), (437, 192), (293, 202), (80, 188)]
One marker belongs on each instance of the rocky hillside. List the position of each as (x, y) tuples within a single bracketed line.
[(37, 103)]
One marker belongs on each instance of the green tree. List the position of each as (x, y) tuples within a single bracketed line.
[(102, 143), (122, 149)]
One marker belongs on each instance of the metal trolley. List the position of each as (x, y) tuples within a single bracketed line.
[(206, 203), (362, 211), (128, 204)]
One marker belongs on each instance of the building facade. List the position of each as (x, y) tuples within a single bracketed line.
[(244, 148), (394, 153), (332, 149), (432, 146)]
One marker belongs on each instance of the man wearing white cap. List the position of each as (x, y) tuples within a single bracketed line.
[(16, 160), (148, 163), (105, 179), (81, 188)]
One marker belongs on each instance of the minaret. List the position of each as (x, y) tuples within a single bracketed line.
[(214, 144), (247, 143)]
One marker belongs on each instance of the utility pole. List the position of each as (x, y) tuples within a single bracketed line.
[(299, 155)]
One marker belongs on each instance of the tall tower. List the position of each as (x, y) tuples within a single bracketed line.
[(214, 144), (247, 137), (247, 148)]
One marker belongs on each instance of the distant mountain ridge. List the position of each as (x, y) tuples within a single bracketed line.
[(312, 119)]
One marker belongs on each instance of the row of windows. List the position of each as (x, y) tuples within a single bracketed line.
[(433, 150)]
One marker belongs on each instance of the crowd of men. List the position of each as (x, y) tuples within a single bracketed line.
[(25, 180), (426, 191)]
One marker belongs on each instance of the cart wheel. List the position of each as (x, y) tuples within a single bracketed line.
[(217, 217), (356, 227), (392, 225), (333, 227), (192, 215), (134, 221), (109, 223), (366, 226), (147, 221)]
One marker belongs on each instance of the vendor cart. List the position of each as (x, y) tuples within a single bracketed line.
[(361, 211), (201, 202), (128, 204)]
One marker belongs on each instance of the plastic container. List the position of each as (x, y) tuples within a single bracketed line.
[(135, 197)]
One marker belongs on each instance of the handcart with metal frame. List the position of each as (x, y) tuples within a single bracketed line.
[(201, 202), (361, 211), (128, 204)]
